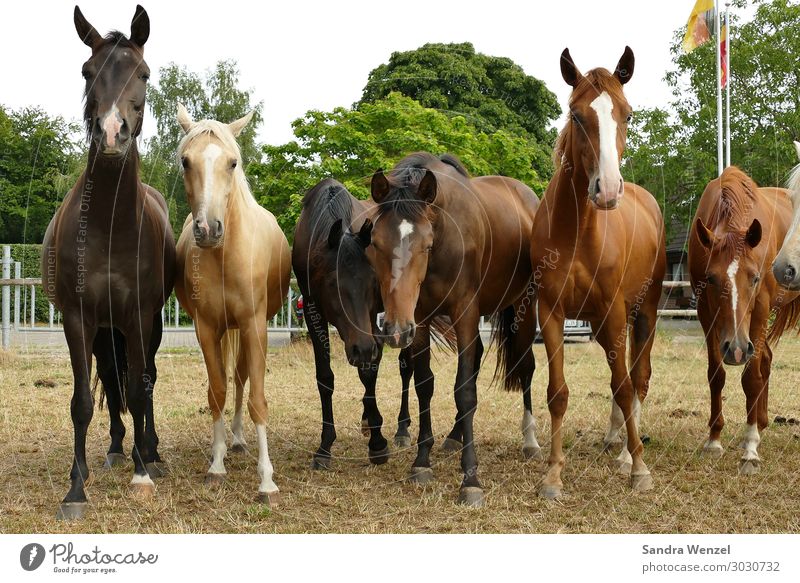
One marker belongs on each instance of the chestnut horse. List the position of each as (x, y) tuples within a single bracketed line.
[(738, 229), (233, 276), (604, 239), (446, 244), (108, 261)]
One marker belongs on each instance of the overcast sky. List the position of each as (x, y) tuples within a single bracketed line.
[(300, 55)]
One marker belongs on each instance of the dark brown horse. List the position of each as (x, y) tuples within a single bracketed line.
[(738, 230), (445, 244), (108, 260), (603, 242)]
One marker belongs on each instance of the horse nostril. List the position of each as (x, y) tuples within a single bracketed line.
[(597, 186), (219, 228), (725, 347), (789, 273), (750, 349), (621, 186)]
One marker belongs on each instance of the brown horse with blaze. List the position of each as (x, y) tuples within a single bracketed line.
[(737, 232), (602, 241)]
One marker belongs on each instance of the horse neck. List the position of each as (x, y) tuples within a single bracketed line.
[(237, 212), (114, 188), (570, 202)]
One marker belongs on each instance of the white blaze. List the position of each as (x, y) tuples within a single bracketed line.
[(732, 269), (402, 253), (112, 125), (210, 155), (609, 159)]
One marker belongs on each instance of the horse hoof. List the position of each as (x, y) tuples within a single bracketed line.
[(713, 449), (379, 457), (550, 492), (114, 459), (143, 490), (450, 444), (365, 428), (319, 462), (421, 476), (402, 440), (271, 499), (238, 448), (623, 468), (641, 482), (749, 467), (532, 453), (471, 496), (157, 469), (71, 510), (214, 480)]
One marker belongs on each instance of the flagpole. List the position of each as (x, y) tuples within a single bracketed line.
[(719, 89), (727, 84)]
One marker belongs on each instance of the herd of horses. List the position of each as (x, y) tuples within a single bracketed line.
[(435, 250)]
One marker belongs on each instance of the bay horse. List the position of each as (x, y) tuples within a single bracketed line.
[(786, 267), (603, 241), (108, 261), (447, 244), (339, 287), (738, 229), (233, 276)]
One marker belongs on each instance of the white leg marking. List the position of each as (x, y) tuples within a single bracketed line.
[(615, 423), (265, 469), (218, 448), (750, 444), (137, 479), (528, 427)]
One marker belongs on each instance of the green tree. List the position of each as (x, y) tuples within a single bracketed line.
[(214, 95), (39, 161), (350, 144)]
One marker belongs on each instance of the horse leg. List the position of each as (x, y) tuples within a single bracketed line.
[(421, 472), (318, 330), (109, 349), (716, 379), (552, 326), (612, 336), (80, 338), (378, 446), (763, 402), (238, 443), (156, 468), (254, 341), (455, 439), (405, 361), (753, 384), (210, 343), (523, 365)]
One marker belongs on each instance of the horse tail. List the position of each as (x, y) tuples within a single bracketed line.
[(786, 318), (120, 369), (443, 333), (510, 355), (231, 345)]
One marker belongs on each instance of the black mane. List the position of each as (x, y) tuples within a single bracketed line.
[(326, 203)]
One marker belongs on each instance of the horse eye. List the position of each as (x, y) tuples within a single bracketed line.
[(711, 279), (86, 74), (575, 117), (629, 118), (185, 162), (145, 77), (233, 164), (756, 279), (429, 248)]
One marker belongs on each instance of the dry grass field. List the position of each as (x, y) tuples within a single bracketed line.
[(692, 493)]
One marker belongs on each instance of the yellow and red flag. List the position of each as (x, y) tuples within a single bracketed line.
[(723, 53), (700, 26)]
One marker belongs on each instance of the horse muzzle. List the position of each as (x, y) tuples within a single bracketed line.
[(606, 194), (207, 234), (362, 353), (399, 336), (736, 353), (786, 275)]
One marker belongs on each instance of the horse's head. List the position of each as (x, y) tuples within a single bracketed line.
[(733, 277), (597, 128), (402, 240), (212, 168), (348, 281), (116, 78), (786, 266)]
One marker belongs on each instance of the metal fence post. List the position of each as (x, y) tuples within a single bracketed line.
[(52, 313), (17, 288), (33, 306), (6, 297), (177, 311)]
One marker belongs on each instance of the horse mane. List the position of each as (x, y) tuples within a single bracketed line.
[(732, 210), (597, 80), (793, 184), (327, 202), (219, 130), (452, 160)]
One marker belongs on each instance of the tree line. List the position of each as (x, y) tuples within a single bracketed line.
[(440, 97)]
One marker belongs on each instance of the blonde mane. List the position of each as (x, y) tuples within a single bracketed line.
[(793, 184)]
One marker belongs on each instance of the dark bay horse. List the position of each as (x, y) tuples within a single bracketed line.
[(108, 260), (446, 244), (603, 242), (738, 230), (339, 287)]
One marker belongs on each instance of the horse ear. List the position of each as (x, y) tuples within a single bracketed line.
[(624, 70), (379, 187), (365, 234), (797, 147), (237, 126), (184, 119), (335, 235), (569, 71), (87, 33), (426, 190), (140, 26), (703, 233), (753, 235)]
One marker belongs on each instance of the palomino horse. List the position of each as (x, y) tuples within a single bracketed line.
[(786, 267), (737, 231), (233, 266), (603, 243), (445, 244), (339, 287), (108, 260)]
